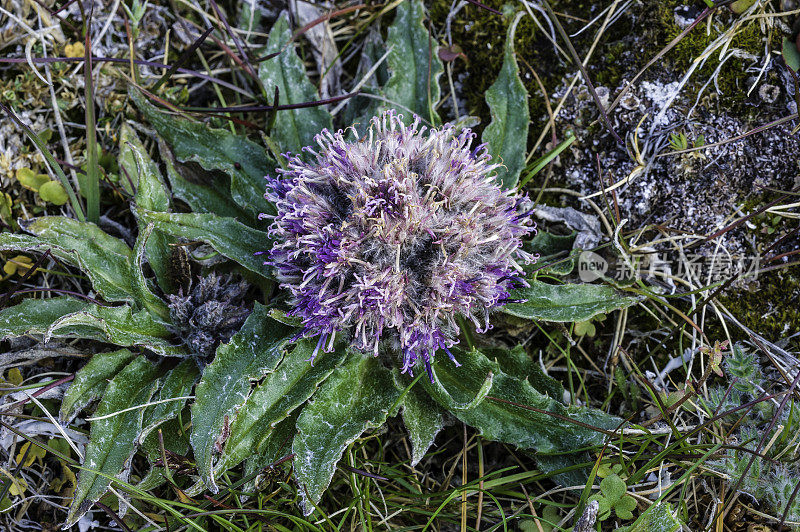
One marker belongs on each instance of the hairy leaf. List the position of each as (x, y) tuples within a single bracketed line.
[(513, 411), (145, 296), (657, 518), (276, 445), (357, 396), (91, 380), (104, 259), (413, 63), (517, 363), (565, 302), (229, 237), (214, 149), (566, 469), (67, 317), (111, 441), (35, 316), (151, 194), (178, 383), (118, 325), (252, 352), (135, 162), (190, 187), (360, 109), (294, 128), (556, 253), (507, 133), (289, 386), (423, 419)]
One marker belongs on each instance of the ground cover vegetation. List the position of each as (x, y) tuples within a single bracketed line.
[(399, 265)]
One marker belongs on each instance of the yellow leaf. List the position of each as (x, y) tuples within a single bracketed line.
[(75, 50), (36, 453), (31, 180), (19, 265), (5, 208), (14, 376), (59, 485), (158, 518), (18, 486), (70, 476)]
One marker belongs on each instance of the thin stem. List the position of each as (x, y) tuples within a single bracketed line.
[(92, 192)]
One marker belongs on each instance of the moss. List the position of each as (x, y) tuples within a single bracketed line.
[(773, 310), (613, 61), (732, 78), (481, 34)]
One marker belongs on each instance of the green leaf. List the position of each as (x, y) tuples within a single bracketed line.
[(294, 380), (294, 128), (413, 63), (507, 133), (104, 259), (151, 194), (35, 316), (536, 166), (624, 507), (517, 363), (6, 210), (360, 109), (91, 380), (565, 302), (468, 402), (30, 179), (356, 397), (229, 237), (178, 383), (141, 287), (111, 440), (53, 192), (252, 352), (193, 185), (657, 518), (274, 446), (555, 250), (740, 6), (118, 325), (214, 149), (790, 54), (514, 412), (140, 170), (604, 507), (423, 419), (577, 466), (548, 244), (613, 488)]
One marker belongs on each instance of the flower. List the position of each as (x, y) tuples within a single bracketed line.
[(210, 313), (388, 238)]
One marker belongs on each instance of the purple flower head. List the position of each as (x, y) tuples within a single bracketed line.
[(387, 239)]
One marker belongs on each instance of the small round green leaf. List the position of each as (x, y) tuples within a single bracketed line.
[(625, 506), (53, 192), (613, 488)]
